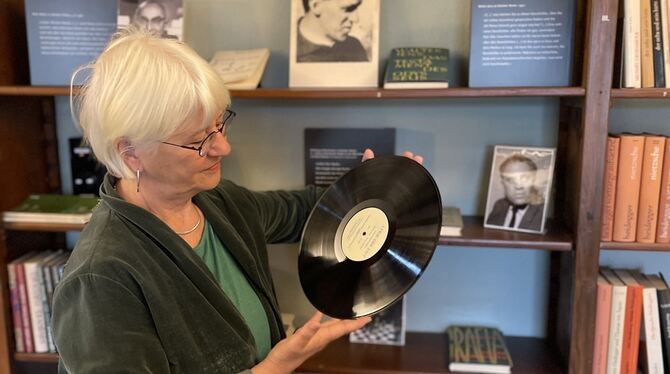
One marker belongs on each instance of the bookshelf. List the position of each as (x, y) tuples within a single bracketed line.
[(28, 142)]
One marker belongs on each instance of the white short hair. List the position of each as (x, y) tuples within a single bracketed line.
[(144, 89)]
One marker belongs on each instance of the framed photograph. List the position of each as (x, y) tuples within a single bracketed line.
[(334, 43), (164, 17), (387, 327), (519, 188)]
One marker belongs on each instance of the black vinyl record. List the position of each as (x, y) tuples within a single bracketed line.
[(370, 237)]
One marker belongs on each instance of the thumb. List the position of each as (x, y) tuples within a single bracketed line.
[(367, 154)]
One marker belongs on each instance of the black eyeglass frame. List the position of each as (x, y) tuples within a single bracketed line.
[(228, 116)]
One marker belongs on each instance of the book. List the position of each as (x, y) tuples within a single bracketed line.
[(650, 188), (657, 43), (508, 50), (387, 327), (66, 34), (665, 34), (609, 187), (48, 208), (617, 321), (663, 229), (663, 296), (331, 152), (478, 349), (646, 45), (632, 63), (651, 350), (601, 336), (241, 69), (633, 321), (452, 221), (417, 67), (628, 187)]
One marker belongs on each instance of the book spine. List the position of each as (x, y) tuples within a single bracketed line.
[(615, 343), (664, 316), (657, 40), (603, 310), (631, 35), (653, 351), (650, 188), (646, 44), (25, 308), (663, 229), (33, 285), (611, 165), (48, 293), (665, 32), (631, 336), (16, 307), (628, 188)]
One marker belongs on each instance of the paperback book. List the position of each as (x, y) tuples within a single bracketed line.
[(417, 67), (48, 208), (452, 222), (478, 349), (241, 69)]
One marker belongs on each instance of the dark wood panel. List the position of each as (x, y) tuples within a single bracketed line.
[(344, 93), (422, 353), (54, 227), (13, 43), (557, 238)]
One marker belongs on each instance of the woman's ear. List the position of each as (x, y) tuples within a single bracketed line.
[(128, 152)]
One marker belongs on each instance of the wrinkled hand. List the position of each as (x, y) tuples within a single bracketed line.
[(368, 154), (289, 353)]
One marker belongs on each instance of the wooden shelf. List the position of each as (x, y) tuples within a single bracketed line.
[(620, 246), (475, 235), (641, 93), (422, 353), (345, 93), (31, 226), (36, 357)]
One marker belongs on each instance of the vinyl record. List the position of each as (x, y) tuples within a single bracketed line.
[(370, 237)]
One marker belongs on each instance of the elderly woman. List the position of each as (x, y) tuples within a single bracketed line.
[(171, 274)]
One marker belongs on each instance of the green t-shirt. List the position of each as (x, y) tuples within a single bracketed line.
[(235, 284)]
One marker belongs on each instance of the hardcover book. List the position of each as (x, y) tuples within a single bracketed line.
[(609, 187), (48, 208), (477, 349), (527, 43), (63, 35), (241, 69), (417, 67), (627, 199), (452, 222), (650, 188)]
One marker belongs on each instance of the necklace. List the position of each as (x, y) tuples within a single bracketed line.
[(194, 227)]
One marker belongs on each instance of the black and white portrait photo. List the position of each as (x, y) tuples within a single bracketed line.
[(334, 43), (387, 327), (519, 188), (162, 17)]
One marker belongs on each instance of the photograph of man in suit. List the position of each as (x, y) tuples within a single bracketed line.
[(323, 32), (523, 205), (151, 15)]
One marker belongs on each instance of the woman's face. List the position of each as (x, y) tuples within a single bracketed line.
[(183, 170)]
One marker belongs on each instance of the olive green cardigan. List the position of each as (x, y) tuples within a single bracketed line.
[(135, 298)]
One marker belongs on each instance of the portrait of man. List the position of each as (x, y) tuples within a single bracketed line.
[(334, 43), (323, 32), (519, 185), (161, 17)]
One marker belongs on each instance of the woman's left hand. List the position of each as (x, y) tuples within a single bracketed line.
[(368, 154)]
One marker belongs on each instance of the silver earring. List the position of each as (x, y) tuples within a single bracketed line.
[(138, 179)]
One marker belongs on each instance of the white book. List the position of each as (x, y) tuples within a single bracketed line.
[(632, 54), (617, 320), (241, 69)]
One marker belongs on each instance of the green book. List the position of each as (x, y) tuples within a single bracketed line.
[(48, 208), (478, 349), (417, 67)]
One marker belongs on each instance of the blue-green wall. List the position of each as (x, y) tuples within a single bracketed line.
[(501, 287)]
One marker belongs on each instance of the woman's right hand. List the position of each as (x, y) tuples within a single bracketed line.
[(289, 353)]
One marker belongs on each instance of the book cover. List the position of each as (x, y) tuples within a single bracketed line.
[(609, 187), (617, 321), (65, 34), (53, 209), (657, 40), (651, 350), (650, 188), (331, 152), (417, 67), (241, 69), (507, 50), (478, 349), (632, 63), (603, 311), (387, 327), (452, 221), (646, 45), (663, 228), (633, 321), (628, 187), (663, 296)]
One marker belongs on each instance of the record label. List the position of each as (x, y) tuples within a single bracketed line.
[(364, 234)]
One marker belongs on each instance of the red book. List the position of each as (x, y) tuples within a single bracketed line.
[(633, 322)]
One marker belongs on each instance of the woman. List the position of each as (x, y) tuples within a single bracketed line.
[(171, 274)]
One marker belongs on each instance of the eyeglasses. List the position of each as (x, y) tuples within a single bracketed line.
[(206, 144)]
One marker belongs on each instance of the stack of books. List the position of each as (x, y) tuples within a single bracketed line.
[(46, 208)]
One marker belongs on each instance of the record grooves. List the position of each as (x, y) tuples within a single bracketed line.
[(370, 237)]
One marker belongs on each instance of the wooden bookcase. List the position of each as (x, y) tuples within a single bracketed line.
[(29, 164)]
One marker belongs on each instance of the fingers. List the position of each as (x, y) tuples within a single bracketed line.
[(336, 328), (367, 154), (417, 158)]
